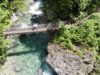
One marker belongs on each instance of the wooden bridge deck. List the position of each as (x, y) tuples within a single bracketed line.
[(24, 31)]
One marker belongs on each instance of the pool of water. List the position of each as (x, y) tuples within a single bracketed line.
[(28, 56)]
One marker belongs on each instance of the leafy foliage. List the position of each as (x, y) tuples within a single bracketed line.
[(93, 6), (66, 9), (86, 35), (4, 24), (18, 5), (6, 8)]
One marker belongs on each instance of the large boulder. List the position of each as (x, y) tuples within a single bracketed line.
[(65, 63)]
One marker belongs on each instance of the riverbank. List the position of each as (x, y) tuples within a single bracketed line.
[(65, 62)]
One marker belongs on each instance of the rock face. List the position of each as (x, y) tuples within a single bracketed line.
[(65, 63)]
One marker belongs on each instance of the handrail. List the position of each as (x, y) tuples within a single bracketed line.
[(24, 31)]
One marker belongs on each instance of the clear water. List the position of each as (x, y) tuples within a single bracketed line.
[(30, 54)]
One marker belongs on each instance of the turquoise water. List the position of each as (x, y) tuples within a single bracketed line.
[(29, 54)]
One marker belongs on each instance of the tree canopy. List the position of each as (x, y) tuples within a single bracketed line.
[(65, 9), (18, 5)]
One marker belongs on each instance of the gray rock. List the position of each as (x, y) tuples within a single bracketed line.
[(69, 64)]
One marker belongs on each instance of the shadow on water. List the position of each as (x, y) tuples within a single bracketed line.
[(32, 48), (20, 53), (37, 43)]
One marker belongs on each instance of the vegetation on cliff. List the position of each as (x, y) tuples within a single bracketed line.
[(86, 35), (81, 39), (6, 9)]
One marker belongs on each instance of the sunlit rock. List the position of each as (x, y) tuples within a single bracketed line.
[(65, 63)]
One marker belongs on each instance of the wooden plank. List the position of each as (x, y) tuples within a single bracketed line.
[(28, 31)]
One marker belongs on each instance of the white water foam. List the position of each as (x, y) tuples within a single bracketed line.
[(34, 9)]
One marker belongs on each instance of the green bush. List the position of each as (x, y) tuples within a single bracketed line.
[(18, 5), (95, 16), (6, 8), (87, 35)]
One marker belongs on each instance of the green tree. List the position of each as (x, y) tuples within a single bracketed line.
[(18, 5), (93, 6), (4, 24), (66, 9)]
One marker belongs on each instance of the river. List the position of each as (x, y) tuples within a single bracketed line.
[(30, 52), (28, 56)]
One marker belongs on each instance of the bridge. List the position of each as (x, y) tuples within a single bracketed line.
[(19, 30), (41, 28)]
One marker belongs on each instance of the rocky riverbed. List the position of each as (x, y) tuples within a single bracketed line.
[(67, 63)]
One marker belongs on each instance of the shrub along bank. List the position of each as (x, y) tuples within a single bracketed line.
[(84, 37), (7, 7)]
